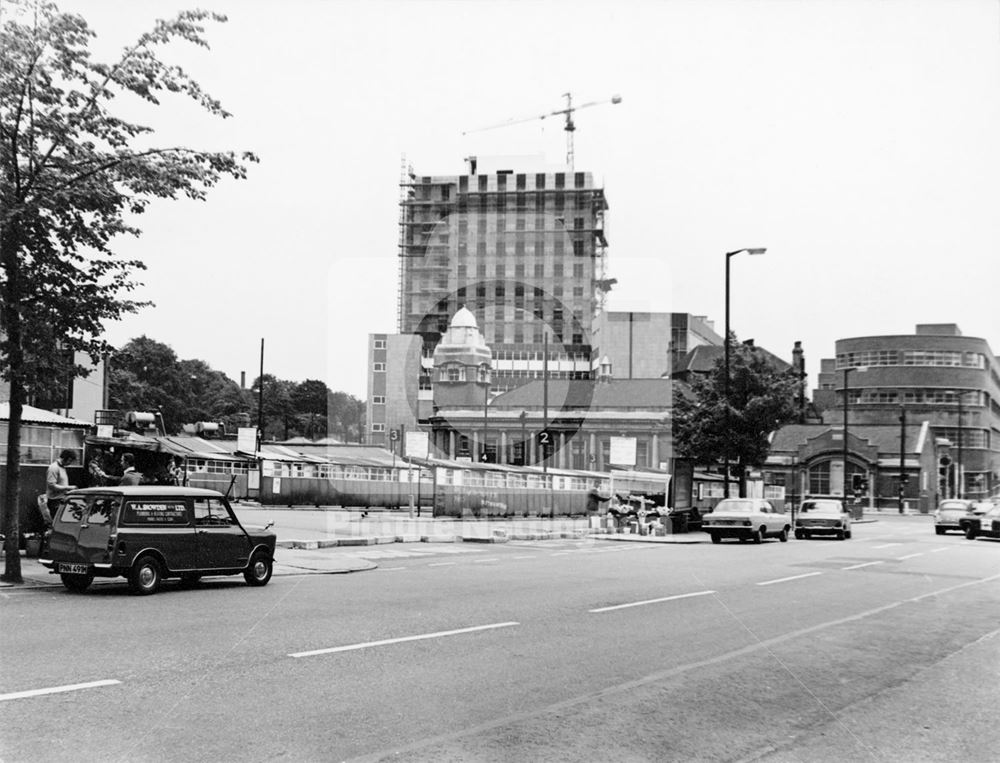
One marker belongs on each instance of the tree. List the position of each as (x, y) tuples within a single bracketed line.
[(761, 399), (73, 176), (310, 400)]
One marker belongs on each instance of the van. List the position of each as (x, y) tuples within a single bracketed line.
[(150, 533)]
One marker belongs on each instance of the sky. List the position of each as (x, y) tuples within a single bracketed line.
[(858, 141)]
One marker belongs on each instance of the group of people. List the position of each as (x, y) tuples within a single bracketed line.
[(99, 474)]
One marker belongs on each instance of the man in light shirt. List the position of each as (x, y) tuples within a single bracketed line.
[(57, 483)]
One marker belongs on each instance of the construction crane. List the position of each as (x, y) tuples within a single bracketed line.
[(569, 127)]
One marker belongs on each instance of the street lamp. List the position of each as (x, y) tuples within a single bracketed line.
[(725, 386), (847, 370)]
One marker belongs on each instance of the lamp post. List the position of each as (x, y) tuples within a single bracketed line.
[(486, 421), (725, 378), (959, 478)]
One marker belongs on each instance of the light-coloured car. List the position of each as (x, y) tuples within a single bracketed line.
[(747, 519), (823, 516), (983, 519), (949, 515)]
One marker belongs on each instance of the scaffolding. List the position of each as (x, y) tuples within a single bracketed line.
[(406, 178)]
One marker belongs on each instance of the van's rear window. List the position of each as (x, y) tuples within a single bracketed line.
[(162, 513)]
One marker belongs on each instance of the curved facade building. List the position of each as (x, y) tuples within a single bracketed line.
[(937, 376)]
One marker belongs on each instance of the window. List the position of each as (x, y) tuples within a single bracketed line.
[(579, 179), (72, 512), (481, 224), (445, 193), (378, 367), (577, 290), (578, 273), (211, 511), (455, 374), (539, 270), (379, 344), (539, 247), (819, 479), (578, 248), (378, 427), (560, 180), (578, 223), (557, 270), (540, 180), (483, 183), (378, 399), (520, 181), (519, 223)]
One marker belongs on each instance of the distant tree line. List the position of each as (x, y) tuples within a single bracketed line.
[(146, 375)]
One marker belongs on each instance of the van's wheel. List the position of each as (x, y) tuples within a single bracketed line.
[(840, 534), (258, 572), (970, 532), (716, 538), (799, 535), (783, 535), (757, 536), (77, 583), (939, 530), (145, 576)]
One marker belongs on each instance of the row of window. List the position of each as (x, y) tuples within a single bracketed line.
[(500, 248), (41, 445), (500, 271), (876, 395), (911, 358), (542, 224)]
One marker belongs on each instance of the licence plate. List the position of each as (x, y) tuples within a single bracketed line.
[(73, 569)]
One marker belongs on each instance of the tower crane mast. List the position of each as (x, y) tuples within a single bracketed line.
[(567, 112)]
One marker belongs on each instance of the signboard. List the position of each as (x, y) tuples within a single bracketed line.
[(276, 485), (246, 439), (623, 451), (155, 513), (416, 445), (105, 430)]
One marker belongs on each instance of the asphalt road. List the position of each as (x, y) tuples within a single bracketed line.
[(883, 647)]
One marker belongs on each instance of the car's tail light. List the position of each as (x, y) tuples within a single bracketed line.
[(747, 522)]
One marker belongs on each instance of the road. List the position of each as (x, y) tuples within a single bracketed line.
[(883, 647)]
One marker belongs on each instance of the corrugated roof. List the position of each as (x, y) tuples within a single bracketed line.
[(883, 437), (32, 415)]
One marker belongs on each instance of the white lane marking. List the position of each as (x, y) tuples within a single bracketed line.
[(391, 569), (442, 564), (859, 566), (943, 548), (479, 561), (559, 553), (651, 601), (384, 642), (888, 545), (910, 556), (57, 689), (524, 557), (793, 577)]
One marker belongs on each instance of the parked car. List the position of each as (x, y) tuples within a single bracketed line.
[(747, 519), (986, 524), (823, 516), (149, 533)]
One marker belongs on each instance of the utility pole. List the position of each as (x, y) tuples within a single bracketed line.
[(902, 458)]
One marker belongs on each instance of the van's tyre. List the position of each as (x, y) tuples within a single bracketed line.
[(258, 572), (716, 538), (757, 536), (847, 534), (77, 583), (939, 530), (799, 535), (783, 535), (145, 576), (840, 535), (970, 533)]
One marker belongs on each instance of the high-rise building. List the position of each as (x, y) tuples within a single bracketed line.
[(524, 252)]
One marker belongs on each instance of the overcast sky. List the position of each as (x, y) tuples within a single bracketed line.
[(857, 141)]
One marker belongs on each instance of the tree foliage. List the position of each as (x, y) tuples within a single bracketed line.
[(73, 176), (761, 399)]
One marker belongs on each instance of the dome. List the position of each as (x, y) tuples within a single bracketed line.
[(463, 319)]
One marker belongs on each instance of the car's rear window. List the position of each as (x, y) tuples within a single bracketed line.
[(72, 512), (734, 505), (954, 505), (821, 506), (153, 513)]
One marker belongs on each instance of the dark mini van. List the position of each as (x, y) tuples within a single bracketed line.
[(148, 533)]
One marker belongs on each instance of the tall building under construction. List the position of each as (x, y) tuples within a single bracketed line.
[(525, 252)]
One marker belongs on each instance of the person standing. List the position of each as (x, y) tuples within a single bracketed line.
[(57, 483), (129, 475), (95, 469)]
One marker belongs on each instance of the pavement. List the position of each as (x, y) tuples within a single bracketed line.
[(332, 541)]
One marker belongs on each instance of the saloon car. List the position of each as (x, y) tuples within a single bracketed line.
[(149, 533), (986, 524), (949, 515), (823, 516), (747, 519)]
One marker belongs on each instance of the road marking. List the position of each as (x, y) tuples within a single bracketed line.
[(57, 689), (384, 642), (559, 553), (524, 557), (794, 577), (391, 569), (442, 564), (859, 566), (910, 556), (479, 561), (943, 548), (888, 545), (651, 601)]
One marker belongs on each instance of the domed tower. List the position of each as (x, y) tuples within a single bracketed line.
[(462, 364)]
